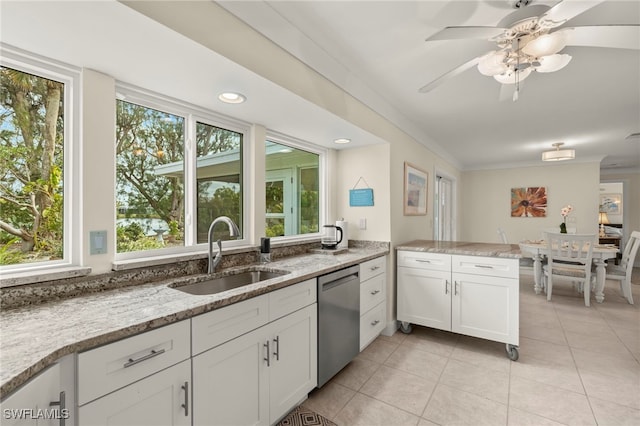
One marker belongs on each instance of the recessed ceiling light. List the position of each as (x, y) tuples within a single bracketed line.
[(232, 98), (342, 141)]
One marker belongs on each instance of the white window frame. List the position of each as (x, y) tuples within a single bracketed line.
[(323, 183), (21, 60), (192, 114)]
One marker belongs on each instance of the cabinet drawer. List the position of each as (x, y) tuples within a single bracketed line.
[(110, 367), (289, 299), (372, 268), (372, 292), (371, 324), (488, 266), (424, 260), (219, 326)]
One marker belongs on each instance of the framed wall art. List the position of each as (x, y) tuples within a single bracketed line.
[(611, 203), (415, 190), (529, 202)]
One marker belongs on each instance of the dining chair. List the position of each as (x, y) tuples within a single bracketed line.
[(569, 257), (622, 272), (503, 236)]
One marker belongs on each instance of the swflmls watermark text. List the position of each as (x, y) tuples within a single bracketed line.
[(35, 413)]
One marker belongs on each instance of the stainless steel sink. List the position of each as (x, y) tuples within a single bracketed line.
[(228, 280)]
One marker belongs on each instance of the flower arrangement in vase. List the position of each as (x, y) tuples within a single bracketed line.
[(565, 212)]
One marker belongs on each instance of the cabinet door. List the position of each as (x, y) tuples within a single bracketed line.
[(486, 307), (293, 368), (230, 382), (424, 297), (30, 405), (160, 399)]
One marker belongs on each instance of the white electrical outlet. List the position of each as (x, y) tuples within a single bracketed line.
[(363, 223)]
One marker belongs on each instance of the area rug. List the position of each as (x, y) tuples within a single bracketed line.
[(302, 416)]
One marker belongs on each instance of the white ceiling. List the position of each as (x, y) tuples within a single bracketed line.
[(376, 52)]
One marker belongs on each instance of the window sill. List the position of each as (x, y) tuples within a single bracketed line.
[(32, 277)]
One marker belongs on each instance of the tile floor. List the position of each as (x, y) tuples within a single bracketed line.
[(577, 366)]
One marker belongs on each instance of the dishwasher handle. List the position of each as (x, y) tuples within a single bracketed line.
[(331, 284)]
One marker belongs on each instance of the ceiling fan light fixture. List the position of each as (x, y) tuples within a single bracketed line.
[(510, 77), (559, 154), (553, 63), (492, 63), (546, 44)]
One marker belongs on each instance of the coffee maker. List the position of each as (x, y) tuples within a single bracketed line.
[(331, 237)]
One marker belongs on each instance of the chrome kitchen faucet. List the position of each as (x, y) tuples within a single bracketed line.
[(233, 232)]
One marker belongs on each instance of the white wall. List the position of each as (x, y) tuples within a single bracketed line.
[(486, 197), (98, 168), (372, 164)]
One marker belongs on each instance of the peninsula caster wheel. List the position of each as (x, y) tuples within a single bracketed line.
[(405, 327), (512, 352)]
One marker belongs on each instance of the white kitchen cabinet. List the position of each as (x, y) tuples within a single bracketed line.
[(373, 300), (472, 295), (162, 399), (261, 375), (142, 380), (45, 400)]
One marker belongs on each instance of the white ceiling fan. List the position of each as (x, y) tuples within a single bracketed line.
[(530, 40)]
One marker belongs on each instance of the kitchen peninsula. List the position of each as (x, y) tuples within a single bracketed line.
[(464, 287)]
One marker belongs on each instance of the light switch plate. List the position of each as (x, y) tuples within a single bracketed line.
[(97, 242)]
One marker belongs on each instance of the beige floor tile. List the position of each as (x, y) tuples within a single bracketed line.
[(491, 384), (354, 375), (366, 411), (424, 364), (553, 352), (425, 422), (398, 337), (597, 342), (329, 400), (379, 350), (522, 418), (449, 406), (623, 365), (400, 389), (538, 332), (482, 353), (544, 371), (629, 337), (550, 402), (610, 414), (620, 390), (435, 341)]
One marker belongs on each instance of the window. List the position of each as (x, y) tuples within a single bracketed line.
[(36, 136), (162, 183), (292, 190)]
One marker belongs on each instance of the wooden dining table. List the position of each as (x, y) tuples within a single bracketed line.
[(537, 249)]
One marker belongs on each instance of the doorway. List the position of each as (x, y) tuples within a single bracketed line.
[(444, 228)]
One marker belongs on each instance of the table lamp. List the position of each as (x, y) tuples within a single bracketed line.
[(603, 219)]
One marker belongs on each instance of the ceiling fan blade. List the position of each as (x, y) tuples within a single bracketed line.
[(450, 74), (457, 33), (613, 36), (567, 9)]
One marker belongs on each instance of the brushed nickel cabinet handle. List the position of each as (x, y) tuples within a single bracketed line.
[(186, 399), (277, 348), (151, 354), (268, 358), (62, 403)]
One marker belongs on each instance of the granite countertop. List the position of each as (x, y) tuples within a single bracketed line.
[(34, 337), (463, 248)]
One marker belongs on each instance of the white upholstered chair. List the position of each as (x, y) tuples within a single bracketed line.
[(622, 272), (503, 236), (569, 257)]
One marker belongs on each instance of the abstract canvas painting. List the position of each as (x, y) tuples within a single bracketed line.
[(529, 202)]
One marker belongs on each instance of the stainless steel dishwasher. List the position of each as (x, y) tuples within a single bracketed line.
[(338, 321)]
